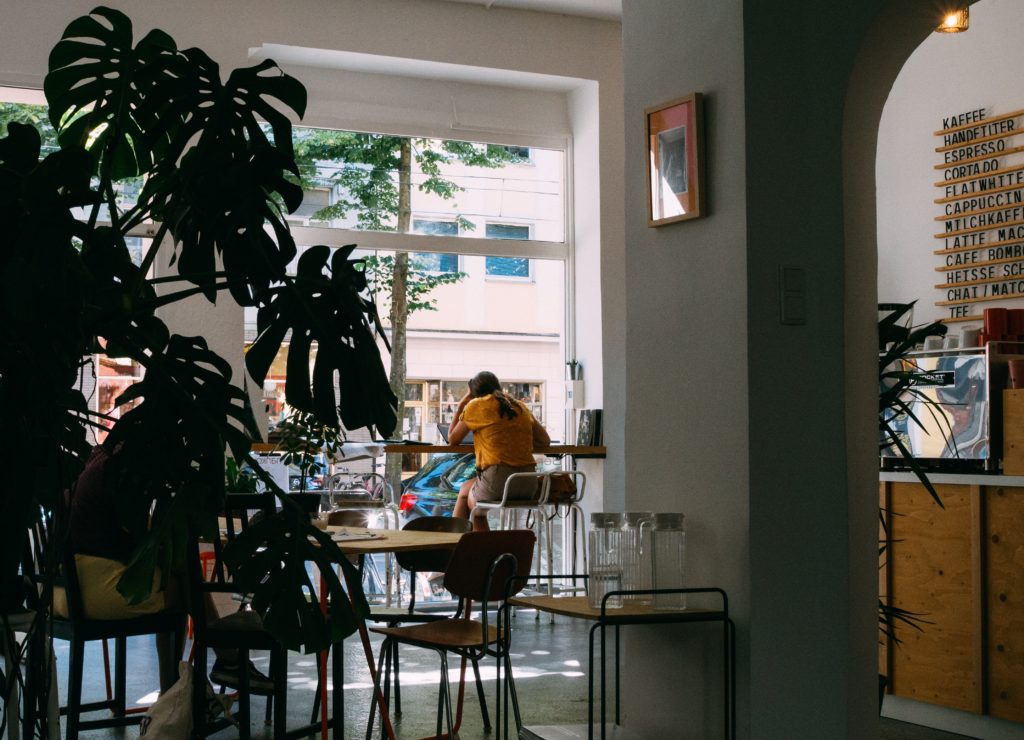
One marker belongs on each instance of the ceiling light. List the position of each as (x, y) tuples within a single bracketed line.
[(955, 21)]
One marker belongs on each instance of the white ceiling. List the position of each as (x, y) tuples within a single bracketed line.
[(605, 9)]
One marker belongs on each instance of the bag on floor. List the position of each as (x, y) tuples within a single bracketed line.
[(170, 717)]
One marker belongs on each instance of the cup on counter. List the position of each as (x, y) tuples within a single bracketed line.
[(932, 343), (951, 341), (1016, 373)]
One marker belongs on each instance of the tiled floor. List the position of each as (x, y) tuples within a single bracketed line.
[(550, 663)]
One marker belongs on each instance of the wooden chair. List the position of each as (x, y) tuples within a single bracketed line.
[(415, 562), (480, 568), (77, 629), (240, 631)]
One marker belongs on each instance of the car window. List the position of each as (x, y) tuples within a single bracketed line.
[(462, 471)]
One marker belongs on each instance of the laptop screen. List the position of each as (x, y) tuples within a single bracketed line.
[(443, 429)]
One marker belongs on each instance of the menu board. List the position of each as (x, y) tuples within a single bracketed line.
[(981, 222)]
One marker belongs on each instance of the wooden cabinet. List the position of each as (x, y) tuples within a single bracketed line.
[(959, 567)]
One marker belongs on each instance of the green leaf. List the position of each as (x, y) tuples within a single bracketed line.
[(324, 307)]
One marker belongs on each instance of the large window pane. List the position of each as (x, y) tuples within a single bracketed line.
[(357, 180)]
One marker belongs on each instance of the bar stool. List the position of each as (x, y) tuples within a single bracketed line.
[(569, 497), (518, 498)]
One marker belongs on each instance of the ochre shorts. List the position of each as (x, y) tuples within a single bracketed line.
[(490, 483), (98, 579)]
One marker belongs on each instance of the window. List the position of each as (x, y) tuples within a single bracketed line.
[(488, 254), (508, 267), (429, 402), (521, 153), (434, 261)]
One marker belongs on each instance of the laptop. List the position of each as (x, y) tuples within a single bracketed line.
[(443, 429)]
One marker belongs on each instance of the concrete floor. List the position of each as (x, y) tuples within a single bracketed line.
[(550, 667)]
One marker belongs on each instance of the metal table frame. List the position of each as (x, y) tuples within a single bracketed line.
[(635, 614)]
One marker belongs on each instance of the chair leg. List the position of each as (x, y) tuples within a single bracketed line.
[(279, 671), (76, 658), (511, 685), (120, 675), (199, 673), (480, 695), (398, 685), (384, 648), (338, 689), (446, 695), (244, 695)]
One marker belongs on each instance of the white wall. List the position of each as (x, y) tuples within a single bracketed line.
[(685, 359), (947, 74), (779, 496)]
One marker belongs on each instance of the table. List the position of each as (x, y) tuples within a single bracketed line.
[(630, 614), (382, 541), (577, 451)]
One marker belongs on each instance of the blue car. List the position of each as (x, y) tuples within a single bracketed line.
[(432, 491)]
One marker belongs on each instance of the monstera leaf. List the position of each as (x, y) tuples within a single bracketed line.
[(326, 308), (218, 205), (266, 559), (213, 174), (102, 91), (188, 405)]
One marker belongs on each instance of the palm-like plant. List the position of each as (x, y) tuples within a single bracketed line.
[(900, 392), (219, 187)]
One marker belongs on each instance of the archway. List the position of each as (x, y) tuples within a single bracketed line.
[(893, 36)]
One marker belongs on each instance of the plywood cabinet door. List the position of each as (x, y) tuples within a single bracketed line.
[(1005, 586), (934, 571)]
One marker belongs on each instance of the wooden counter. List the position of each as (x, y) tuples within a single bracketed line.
[(574, 450), (961, 568)]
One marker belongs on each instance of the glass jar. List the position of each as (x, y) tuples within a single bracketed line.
[(668, 557), (605, 559), (636, 555)]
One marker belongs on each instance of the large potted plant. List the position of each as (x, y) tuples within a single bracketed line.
[(215, 163), (900, 401)]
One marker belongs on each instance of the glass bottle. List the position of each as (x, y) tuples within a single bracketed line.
[(668, 557), (605, 558), (636, 555)]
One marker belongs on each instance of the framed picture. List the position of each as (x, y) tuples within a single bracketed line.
[(675, 161)]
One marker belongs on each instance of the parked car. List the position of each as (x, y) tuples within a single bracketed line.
[(433, 489)]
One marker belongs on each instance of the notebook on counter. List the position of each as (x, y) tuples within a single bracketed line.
[(443, 429)]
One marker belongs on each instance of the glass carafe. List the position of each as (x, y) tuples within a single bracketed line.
[(605, 559), (636, 555), (668, 557)]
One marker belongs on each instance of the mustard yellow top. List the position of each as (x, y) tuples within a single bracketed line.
[(497, 439)]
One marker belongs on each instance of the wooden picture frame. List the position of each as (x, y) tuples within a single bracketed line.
[(675, 160)]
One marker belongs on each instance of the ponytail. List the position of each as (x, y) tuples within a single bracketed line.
[(508, 407)]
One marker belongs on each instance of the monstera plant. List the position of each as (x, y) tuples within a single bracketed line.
[(215, 162)]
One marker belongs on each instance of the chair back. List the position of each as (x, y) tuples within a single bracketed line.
[(240, 511), (431, 561), (525, 489), (359, 489), (469, 573)]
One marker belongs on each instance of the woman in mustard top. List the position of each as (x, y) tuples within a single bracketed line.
[(504, 435)]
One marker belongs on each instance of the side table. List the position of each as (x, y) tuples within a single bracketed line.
[(630, 614)]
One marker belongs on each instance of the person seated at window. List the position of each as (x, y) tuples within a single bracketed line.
[(103, 548), (504, 436)]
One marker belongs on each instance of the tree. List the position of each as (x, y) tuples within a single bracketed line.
[(373, 176)]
